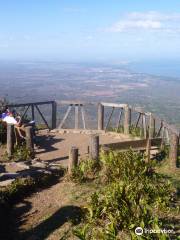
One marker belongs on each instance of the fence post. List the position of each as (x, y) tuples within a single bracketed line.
[(148, 149), (73, 159), (173, 151), (127, 120), (94, 147), (32, 112), (10, 140), (100, 116), (151, 126), (29, 140), (76, 116), (54, 114)]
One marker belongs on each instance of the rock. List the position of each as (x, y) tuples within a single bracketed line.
[(6, 182), (39, 165), (54, 168), (22, 165), (36, 160)]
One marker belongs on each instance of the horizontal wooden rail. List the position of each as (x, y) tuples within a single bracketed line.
[(115, 105), (134, 144), (74, 102), (29, 104)]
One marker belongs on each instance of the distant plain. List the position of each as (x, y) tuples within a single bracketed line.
[(38, 81)]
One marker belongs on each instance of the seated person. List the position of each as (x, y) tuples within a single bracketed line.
[(10, 118), (14, 118)]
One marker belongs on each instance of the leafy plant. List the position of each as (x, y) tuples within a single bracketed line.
[(86, 169), (132, 195)]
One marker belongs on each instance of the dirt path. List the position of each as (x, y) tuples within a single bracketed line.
[(51, 213), (54, 147)]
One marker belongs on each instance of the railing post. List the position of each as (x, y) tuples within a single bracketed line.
[(100, 116), (54, 114), (10, 140), (173, 151), (73, 159), (148, 148), (29, 140), (76, 116), (94, 147), (32, 111), (127, 120), (151, 126)]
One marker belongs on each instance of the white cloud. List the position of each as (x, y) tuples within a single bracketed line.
[(151, 20)]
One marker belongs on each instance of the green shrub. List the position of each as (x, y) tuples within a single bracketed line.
[(20, 153), (132, 195), (85, 170)]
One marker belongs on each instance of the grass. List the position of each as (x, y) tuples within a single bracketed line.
[(106, 192), (132, 194)]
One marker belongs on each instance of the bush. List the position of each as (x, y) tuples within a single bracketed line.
[(86, 170), (132, 195)]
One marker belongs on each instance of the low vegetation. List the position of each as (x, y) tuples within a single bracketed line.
[(134, 131), (24, 186), (132, 195)]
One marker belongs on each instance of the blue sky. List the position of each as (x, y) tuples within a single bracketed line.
[(96, 30)]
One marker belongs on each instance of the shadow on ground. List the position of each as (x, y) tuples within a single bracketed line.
[(60, 217), (46, 143), (11, 214)]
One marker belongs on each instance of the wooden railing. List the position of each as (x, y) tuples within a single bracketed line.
[(35, 105), (149, 124)]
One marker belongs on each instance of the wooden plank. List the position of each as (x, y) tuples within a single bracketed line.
[(73, 159), (29, 104), (127, 120), (158, 133), (148, 149), (142, 143), (144, 126), (100, 116), (94, 147), (119, 120), (76, 125), (74, 102), (54, 115), (29, 140), (139, 110), (83, 116), (10, 140), (25, 112), (42, 117), (32, 112), (115, 105), (167, 136), (173, 151), (65, 116), (139, 117), (109, 119)]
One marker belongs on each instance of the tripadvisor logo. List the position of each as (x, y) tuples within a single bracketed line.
[(139, 231)]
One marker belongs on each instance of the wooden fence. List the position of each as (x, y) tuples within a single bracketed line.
[(127, 120)]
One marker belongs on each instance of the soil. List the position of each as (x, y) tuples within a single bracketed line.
[(52, 212), (54, 147)]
